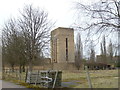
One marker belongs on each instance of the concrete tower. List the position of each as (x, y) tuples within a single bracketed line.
[(62, 45)]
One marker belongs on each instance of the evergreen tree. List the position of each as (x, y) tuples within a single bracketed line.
[(78, 52), (92, 52), (103, 50), (110, 52)]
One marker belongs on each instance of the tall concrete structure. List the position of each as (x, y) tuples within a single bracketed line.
[(62, 45)]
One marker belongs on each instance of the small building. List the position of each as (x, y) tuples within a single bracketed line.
[(97, 66), (62, 48), (62, 45)]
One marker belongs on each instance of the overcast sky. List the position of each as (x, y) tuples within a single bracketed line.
[(61, 11)]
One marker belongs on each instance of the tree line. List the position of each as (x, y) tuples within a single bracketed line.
[(25, 38), (107, 52), (103, 17)]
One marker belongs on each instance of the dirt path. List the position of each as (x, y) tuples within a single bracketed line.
[(5, 84), (0, 84)]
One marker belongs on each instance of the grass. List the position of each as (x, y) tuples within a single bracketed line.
[(15, 79), (99, 78), (29, 85), (106, 82)]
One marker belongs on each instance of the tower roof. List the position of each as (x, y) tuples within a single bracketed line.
[(62, 28)]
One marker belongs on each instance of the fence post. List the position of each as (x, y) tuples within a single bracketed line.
[(37, 76), (3, 73), (26, 74), (9, 72), (19, 74), (55, 79), (16, 74), (88, 77)]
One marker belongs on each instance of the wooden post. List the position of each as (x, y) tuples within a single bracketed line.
[(19, 76), (26, 74), (37, 76), (16, 74), (118, 44), (55, 79), (88, 77), (9, 71)]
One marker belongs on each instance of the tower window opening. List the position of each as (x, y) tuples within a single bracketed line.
[(66, 49)]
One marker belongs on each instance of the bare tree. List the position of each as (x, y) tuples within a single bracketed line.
[(13, 47), (103, 50), (101, 46), (119, 35), (103, 15), (9, 43), (104, 46), (35, 26), (21, 52), (78, 52), (110, 52), (92, 53), (3, 55)]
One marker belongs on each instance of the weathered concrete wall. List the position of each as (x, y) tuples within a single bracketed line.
[(64, 66), (60, 66), (58, 45)]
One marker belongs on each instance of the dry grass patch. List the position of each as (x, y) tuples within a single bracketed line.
[(99, 78)]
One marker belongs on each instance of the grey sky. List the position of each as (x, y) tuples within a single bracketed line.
[(61, 11)]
